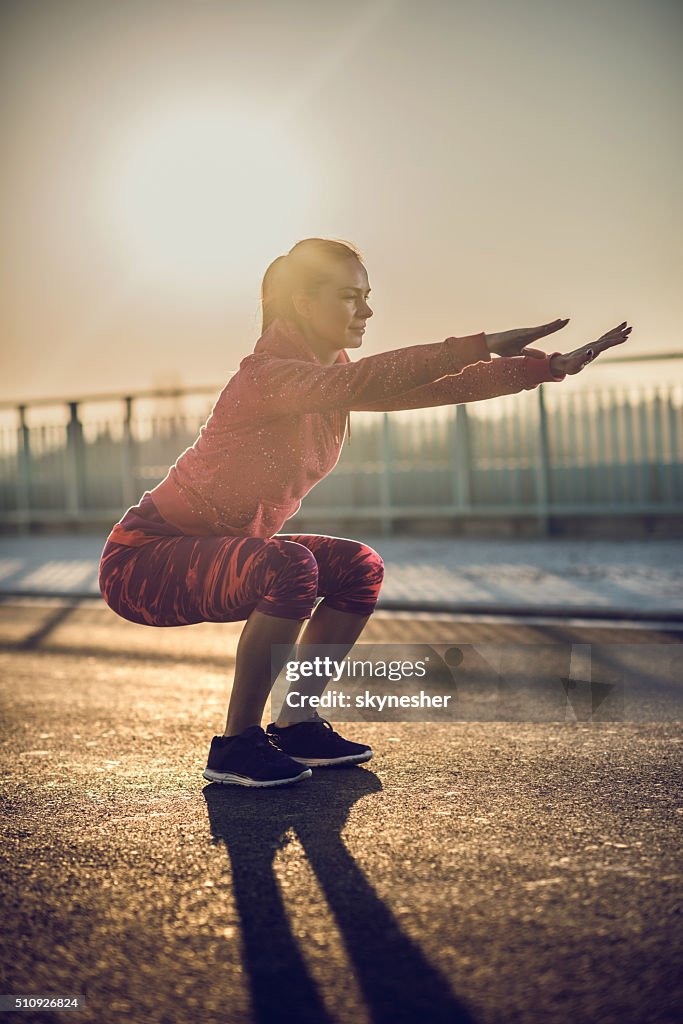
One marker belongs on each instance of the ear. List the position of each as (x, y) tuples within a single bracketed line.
[(302, 304)]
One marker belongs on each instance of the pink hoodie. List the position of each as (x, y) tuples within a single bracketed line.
[(277, 427)]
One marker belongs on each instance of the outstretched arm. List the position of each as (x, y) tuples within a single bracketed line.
[(505, 376), (270, 385)]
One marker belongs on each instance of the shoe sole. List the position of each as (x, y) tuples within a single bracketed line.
[(333, 762), (232, 779)]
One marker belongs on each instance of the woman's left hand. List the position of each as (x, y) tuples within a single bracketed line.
[(574, 362), (513, 343)]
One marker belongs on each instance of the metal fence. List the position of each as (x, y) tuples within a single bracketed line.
[(550, 452)]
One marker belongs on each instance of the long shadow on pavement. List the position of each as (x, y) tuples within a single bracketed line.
[(51, 623), (397, 981)]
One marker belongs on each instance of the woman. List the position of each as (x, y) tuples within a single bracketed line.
[(203, 545)]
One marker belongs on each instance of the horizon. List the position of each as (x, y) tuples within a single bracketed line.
[(518, 163)]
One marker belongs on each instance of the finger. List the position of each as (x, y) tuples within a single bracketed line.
[(617, 338), (614, 337), (543, 329), (617, 331), (556, 325)]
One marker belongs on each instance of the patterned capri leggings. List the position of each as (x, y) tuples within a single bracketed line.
[(170, 579)]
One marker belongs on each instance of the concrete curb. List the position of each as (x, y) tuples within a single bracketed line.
[(662, 616)]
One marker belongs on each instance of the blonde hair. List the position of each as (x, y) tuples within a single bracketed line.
[(303, 269)]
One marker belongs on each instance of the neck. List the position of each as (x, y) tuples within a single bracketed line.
[(326, 355)]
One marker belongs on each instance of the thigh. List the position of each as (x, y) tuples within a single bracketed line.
[(179, 580)]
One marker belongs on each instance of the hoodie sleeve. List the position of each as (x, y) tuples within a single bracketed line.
[(271, 385), (505, 375)]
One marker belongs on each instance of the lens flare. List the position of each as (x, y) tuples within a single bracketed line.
[(194, 195)]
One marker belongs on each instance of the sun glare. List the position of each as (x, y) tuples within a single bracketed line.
[(194, 196)]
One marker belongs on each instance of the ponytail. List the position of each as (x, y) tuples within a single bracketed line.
[(303, 269)]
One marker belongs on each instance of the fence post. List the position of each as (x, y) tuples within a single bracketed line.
[(658, 495), (24, 467), (543, 472), (75, 468), (128, 456), (386, 522), (461, 469)]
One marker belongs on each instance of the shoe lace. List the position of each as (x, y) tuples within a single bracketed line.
[(268, 750), (321, 724), (263, 746), (323, 727)]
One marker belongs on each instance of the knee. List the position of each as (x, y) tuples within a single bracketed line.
[(295, 562), (370, 564), (290, 582)]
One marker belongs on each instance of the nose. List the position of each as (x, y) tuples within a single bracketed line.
[(366, 310)]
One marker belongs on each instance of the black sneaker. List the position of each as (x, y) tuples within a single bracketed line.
[(316, 743), (250, 759)]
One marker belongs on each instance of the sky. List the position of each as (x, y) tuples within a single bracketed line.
[(499, 164)]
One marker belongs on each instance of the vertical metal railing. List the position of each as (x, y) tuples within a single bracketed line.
[(385, 484), (542, 467), (128, 462), (459, 448), (75, 463), (573, 453), (23, 468)]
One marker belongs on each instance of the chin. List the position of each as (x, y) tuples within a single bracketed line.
[(354, 341)]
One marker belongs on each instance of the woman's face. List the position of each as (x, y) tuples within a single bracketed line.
[(335, 317)]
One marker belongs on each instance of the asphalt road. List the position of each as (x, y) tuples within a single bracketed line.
[(496, 871)]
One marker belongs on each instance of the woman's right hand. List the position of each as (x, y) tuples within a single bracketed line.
[(574, 362)]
